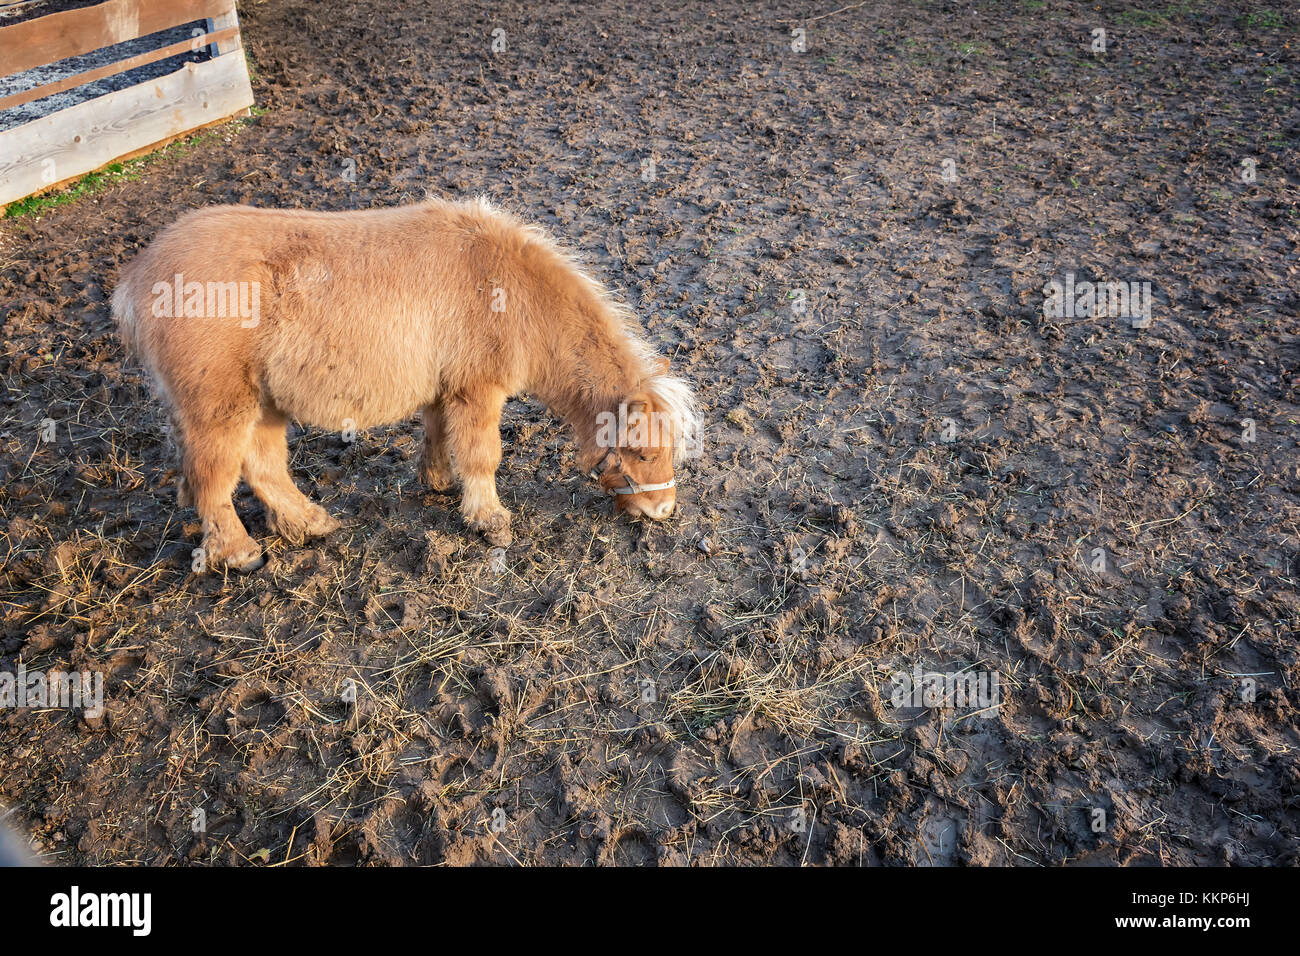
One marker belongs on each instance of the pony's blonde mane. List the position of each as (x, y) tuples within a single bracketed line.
[(671, 394), (678, 400)]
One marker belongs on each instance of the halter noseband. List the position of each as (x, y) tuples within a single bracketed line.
[(633, 488)]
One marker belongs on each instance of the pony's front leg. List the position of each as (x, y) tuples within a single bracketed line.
[(435, 462), (472, 422)]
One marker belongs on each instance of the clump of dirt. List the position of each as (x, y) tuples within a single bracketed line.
[(909, 465)]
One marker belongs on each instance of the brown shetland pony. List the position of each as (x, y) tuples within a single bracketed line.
[(248, 318)]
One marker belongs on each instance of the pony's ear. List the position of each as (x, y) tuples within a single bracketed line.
[(663, 365), (638, 404), (639, 407)]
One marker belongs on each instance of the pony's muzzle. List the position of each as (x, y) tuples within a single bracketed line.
[(659, 510), (655, 510), (645, 501)]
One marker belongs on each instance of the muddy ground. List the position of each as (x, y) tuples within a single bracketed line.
[(907, 463)]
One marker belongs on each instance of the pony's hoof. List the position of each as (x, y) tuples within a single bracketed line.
[(296, 529), (247, 564), (327, 524), (245, 558), (437, 479), (496, 529)]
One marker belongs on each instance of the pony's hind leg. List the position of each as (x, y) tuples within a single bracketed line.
[(211, 457), (290, 513), (184, 499), (435, 461), (473, 430)]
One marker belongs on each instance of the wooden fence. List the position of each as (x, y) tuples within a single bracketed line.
[(63, 145)]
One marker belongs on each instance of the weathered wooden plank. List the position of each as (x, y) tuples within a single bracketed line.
[(121, 66), (82, 138), (12, 6), (57, 36), (220, 23)]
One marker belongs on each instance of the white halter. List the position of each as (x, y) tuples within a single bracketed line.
[(633, 488)]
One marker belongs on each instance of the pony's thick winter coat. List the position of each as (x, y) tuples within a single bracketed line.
[(248, 318)]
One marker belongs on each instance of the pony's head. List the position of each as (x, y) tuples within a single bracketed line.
[(643, 440)]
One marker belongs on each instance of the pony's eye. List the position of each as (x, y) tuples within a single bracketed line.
[(650, 458)]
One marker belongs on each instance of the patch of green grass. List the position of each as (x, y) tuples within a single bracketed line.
[(1033, 5), (1264, 20), (1151, 18), (1141, 18), (85, 186), (113, 174)]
